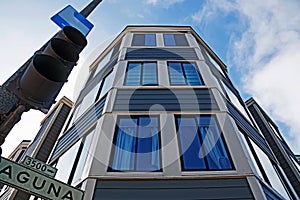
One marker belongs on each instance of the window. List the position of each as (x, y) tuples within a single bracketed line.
[(184, 73), (102, 63), (144, 40), (136, 144), (97, 92), (235, 101), (201, 144), (271, 171), (269, 195), (83, 156), (71, 164), (175, 40), (215, 64), (65, 163), (105, 86), (141, 73), (87, 101)]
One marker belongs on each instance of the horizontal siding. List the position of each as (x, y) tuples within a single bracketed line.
[(278, 153), (249, 130), (53, 134), (75, 131), (173, 189), (161, 54), (164, 99)]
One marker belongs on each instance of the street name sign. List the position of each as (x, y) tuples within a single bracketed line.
[(70, 17), (39, 166), (21, 177)]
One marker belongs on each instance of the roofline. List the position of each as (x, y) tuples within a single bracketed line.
[(187, 28), (64, 100)]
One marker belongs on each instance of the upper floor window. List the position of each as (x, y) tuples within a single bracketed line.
[(102, 63), (141, 73), (215, 64), (175, 40), (136, 144), (184, 73), (97, 92), (144, 40), (202, 146)]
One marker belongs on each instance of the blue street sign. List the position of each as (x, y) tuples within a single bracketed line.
[(70, 17)]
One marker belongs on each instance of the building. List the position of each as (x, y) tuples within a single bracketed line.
[(16, 156), (159, 118), (280, 148)]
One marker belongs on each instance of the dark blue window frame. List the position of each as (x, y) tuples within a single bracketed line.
[(136, 144), (201, 144), (184, 73), (141, 73)]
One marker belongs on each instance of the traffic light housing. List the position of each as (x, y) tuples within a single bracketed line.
[(47, 71)]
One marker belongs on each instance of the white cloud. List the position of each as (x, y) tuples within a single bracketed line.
[(268, 54), (164, 3)]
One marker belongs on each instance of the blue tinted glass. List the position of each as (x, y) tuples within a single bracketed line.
[(169, 40), (149, 74), (202, 146), (150, 40), (125, 145), (213, 145), (192, 74), (137, 145), (148, 158), (190, 144), (105, 86), (133, 74), (85, 153), (176, 73), (66, 161)]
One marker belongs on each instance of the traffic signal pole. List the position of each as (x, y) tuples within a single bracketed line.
[(89, 8), (38, 81)]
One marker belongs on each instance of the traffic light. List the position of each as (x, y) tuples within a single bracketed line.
[(49, 68)]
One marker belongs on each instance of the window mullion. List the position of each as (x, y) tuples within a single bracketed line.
[(141, 73), (183, 73), (202, 148), (136, 144)]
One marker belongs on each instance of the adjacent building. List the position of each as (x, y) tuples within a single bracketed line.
[(41, 146), (159, 118), (16, 156)]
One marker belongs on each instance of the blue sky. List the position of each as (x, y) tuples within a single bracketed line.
[(259, 41)]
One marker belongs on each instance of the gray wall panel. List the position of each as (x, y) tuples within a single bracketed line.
[(169, 100), (173, 189), (161, 54)]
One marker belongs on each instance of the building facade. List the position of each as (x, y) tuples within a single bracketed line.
[(16, 155), (159, 118)]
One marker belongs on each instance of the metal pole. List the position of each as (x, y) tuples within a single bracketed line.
[(89, 8)]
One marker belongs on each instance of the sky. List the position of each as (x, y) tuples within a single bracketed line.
[(259, 41)]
